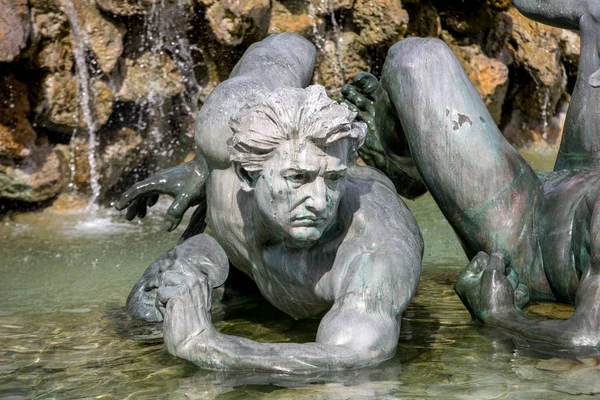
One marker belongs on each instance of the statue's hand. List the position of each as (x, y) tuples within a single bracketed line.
[(184, 183), (360, 96), (199, 256), (485, 287), (184, 300)]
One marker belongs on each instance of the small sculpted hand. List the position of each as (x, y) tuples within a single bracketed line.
[(489, 287), (185, 183), (360, 96)]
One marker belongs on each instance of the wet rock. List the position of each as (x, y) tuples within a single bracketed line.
[(497, 37), (489, 76), (15, 27), (118, 157), (324, 7), (424, 20), (55, 55), (536, 50), (150, 75), (33, 179), (60, 107), (340, 60), (294, 19), (125, 7), (105, 38), (469, 20), (521, 129), (570, 47), (380, 21), (48, 21), (499, 5), (233, 20), (17, 136)]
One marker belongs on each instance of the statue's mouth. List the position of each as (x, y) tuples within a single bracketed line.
[(307, 221)]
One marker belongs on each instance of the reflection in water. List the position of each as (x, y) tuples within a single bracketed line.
[(65, 333)]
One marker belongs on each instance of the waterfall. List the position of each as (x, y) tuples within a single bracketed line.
[(165, 28), (320, 41), (80, 45)]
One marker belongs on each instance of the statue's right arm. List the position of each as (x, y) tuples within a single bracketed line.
[(279, 60), (560, 13), (283, 60)]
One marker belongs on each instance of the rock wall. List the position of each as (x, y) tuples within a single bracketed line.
[(115, 84)]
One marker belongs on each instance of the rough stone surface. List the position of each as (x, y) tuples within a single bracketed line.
[(150, 75), (232, 20), (424, 21), (34, 179), (292, 19), (489, 76), (17, 136), (49, 22), (537, 51), (380, 21), (492, 41), (60, 107), (570, 48), (55, 55), (343, 58), (105, 38), (15, 27), (469, 20), (324, 7), (125, 7), (118, 157)]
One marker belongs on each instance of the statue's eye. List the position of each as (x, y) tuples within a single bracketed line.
[(297, 178), (334, 176)]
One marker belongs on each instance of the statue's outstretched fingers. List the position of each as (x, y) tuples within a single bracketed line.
[(176, 211), (367, 84), (152, 200), (142, 209), (134, 207)]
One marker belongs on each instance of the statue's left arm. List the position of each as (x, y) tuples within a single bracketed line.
[(372, 281)]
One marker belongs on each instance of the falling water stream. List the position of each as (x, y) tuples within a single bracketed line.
[(80, 46)]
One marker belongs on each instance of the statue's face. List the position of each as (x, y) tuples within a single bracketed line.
[(299, 190)]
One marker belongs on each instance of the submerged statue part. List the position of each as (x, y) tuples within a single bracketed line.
[(276, 180), (527, 236)]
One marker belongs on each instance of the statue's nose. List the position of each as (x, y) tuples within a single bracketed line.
[(317, 196)]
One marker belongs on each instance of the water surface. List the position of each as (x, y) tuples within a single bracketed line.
[(64, 333)]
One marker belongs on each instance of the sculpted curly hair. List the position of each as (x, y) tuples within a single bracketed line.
[(267, 120)]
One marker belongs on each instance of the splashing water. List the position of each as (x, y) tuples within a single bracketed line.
[(320, 40), (166, 25), (80, 45), (544, 112), (339, 42)]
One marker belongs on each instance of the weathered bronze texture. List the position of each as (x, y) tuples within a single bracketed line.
[(276, 180), (527, 236)]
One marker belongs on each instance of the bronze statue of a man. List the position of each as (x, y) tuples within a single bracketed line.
[(289, 207), (527, 236)]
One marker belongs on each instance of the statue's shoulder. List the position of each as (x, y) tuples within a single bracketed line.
[(372, 200)]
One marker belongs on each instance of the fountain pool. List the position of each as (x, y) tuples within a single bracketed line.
[(65, 334)]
